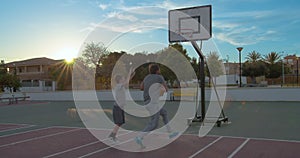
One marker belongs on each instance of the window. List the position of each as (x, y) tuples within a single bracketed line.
[(35, 83)]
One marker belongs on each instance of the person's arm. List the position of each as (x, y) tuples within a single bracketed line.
[(164, 84), (129, 77), (142, 86)]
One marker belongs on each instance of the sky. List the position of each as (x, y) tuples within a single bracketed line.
[(59, 29)]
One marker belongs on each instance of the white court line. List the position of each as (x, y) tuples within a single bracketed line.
[(254, 138), (24, 132), (78, 147), (202, 149), (239, 148), (12, 129), (14, 124), (45, 136), (102, 149), (75, 148)]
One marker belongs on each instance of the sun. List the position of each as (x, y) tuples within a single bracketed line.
[(67, 53), (69, 60)]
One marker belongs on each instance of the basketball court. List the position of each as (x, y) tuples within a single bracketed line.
[(254, 129), (46, 130)]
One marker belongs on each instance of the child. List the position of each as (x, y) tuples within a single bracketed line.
[(120, 98)]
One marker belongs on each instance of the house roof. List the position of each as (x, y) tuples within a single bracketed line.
[(33, 61)]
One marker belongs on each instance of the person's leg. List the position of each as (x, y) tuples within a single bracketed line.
[(114, 132), (152, 124), (163, 112), (116, 129), (119, 120)]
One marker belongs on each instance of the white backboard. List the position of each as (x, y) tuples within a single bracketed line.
[(190, 24)]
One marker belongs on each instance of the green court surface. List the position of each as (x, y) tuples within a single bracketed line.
[(270, 120)]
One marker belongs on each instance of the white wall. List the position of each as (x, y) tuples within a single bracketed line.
[(232, 94)]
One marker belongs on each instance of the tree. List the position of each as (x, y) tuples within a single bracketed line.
[(214, 68), (10, 81), (62, 74), (172, 56), (93, 53), (179, 48), (272, 58), (273, 65), (105, 69), (254, 66), (195, 66), (253, 57)]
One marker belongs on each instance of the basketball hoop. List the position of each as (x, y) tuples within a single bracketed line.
[(185, 33)]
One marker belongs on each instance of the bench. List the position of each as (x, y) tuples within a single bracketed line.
[(13, 97), (183, 93)]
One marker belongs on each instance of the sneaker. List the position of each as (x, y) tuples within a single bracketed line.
[(115, 140), (139, 141), (173, 134)]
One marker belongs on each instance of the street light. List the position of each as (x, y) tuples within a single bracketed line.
[(283, 77), (297, 72), (240, 59)]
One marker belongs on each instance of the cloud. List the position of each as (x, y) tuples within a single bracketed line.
[(92, 26), (224, 25), (103, 6), (121, 16), (247, 14), (159, 21), (144, 10), (245, 36)]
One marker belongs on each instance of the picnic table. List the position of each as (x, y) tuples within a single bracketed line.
[(13, 98)]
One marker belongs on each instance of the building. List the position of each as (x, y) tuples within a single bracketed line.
[(34, 73), (232, 68), (292, 62)]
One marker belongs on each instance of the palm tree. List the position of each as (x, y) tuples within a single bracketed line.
[(273, 65), (253, 57), (272, 58), (254, 66)]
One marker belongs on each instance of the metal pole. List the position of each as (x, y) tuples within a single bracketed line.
[(297, 72), (240, 68), (240, 58), (202, 78), (283, 79)]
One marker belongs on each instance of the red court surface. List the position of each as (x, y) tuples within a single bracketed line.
[(79, 142), (8, 127)]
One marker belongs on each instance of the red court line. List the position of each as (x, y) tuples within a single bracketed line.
[(184, 146), (269, 148), (9, 139), (48, 145)]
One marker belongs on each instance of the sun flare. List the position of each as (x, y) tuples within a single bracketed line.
[(67, 53)]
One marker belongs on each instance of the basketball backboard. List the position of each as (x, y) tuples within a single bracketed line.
[(190, 24)]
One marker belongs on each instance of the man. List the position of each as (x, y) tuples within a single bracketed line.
[(153, 85)]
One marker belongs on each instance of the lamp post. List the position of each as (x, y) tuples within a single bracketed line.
[(240, 60), (297, 72), (283, 78)]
